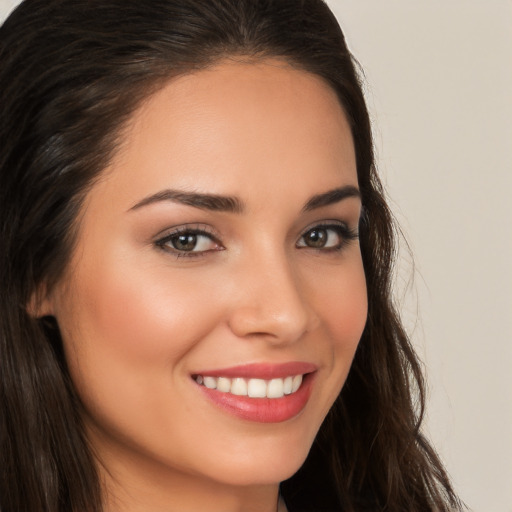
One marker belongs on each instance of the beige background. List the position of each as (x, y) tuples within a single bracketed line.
[(439, 86)]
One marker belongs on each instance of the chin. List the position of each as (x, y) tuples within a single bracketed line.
[(260, 473), (266, 463)]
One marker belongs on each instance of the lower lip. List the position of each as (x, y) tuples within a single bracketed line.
[(263, 410)]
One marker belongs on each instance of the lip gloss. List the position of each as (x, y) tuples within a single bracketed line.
[(262, 410)]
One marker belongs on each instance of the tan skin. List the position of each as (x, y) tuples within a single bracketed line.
[(139, 316)]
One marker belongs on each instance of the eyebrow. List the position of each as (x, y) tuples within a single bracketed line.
[(331, 197), (210, 202), (230, 204)]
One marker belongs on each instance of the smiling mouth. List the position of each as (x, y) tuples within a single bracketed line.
[(259, 392), (252, 388)]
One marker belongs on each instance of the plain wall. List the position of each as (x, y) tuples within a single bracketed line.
[(439, 85)]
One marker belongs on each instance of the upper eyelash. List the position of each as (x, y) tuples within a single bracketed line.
[(162, 241), (346, 233)]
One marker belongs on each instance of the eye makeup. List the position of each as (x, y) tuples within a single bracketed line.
[(189, 241), (327, 236), (195, 241)]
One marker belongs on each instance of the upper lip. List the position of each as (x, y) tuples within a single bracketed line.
[(261, 370)]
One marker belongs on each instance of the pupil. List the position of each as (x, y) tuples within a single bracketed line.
[(185, 242), (317, 238)]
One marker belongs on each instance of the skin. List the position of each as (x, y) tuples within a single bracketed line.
[(137, 321)]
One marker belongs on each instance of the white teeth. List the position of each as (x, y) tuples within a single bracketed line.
[(239, 387), (224, 384), (254, 388), (257, 388), (210, 382), (275, 388), (297, 381), (287, 387)]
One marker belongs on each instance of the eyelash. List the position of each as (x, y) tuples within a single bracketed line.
[(165, 242), (345, 234)]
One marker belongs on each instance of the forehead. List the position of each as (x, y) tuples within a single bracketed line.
[(235, 124)]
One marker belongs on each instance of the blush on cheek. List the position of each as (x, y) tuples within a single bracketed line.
[(137, 321), (147, 314), (347, 308)]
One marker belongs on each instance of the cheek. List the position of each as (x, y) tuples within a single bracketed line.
[(143, 313), (127, 327), (349, 318), (344, 308)]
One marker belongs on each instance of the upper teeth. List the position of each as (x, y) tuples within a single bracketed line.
[(254, 388)]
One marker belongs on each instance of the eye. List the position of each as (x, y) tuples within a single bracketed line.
[(328, 237), (188, 242)]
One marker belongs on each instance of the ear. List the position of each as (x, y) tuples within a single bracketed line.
[(40, 303)]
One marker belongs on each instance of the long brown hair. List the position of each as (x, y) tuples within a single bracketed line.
[(71, 73)]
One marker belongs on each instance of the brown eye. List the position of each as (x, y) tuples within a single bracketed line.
[(188, 242), (316, 238), (184, 242), (326, 237)]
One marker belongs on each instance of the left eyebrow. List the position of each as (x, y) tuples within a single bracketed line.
[(332, 196), (210, 202)]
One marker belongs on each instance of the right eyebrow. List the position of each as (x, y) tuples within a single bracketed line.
[(210, 202), (332, 196)]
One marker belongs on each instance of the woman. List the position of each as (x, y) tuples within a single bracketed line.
[(196, 259)]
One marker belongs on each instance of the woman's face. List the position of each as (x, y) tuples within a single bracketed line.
[(218, 249)]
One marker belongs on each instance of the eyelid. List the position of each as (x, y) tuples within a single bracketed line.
[(331, 223), (164, 237), (186, 228), (346, 233)]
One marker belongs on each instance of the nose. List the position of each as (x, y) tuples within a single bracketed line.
[(271, 302)]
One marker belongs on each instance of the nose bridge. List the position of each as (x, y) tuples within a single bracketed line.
[(271, 299)]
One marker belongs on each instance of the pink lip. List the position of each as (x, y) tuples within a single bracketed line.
[(261, 370), (263, 410)]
